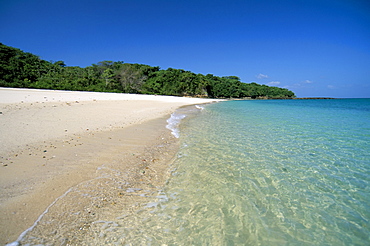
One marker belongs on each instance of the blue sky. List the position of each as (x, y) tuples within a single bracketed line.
[(312, 47)]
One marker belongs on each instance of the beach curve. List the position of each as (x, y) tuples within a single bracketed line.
[(54, 140)]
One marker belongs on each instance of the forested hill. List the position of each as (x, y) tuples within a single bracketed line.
[(24, 70)]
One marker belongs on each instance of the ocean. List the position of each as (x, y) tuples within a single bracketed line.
[(258, 172), (269, 172)]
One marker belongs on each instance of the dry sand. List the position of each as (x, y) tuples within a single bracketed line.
[(52, 141)]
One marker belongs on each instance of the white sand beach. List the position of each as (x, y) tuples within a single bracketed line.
[(51, 141)]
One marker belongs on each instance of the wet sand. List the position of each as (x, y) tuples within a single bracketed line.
[(78, 155)]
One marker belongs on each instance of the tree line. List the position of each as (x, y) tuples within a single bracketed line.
[(25, 70)]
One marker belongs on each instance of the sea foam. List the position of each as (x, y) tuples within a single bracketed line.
[(173, 122), (199, 107)]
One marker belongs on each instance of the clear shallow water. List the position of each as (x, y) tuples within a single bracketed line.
[(278, 172)]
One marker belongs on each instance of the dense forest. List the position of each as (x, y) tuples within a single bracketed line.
[(25, 70)]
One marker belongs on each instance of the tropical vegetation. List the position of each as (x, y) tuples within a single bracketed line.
[(25, 70)]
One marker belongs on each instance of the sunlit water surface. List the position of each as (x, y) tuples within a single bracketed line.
[(271, 172), (274, 172)]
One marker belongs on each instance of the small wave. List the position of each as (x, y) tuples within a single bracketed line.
[(173, 122), (199, 107), (23, 234)]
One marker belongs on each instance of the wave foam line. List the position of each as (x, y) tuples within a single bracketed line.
[(16, 243), (173, 122), (199, 107)]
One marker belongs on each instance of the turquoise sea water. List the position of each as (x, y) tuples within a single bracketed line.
[(269, 172), (275, 172)]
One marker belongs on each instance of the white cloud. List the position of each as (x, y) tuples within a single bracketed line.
[(273, 83), (262, 76), (331, 86), (303, 84)]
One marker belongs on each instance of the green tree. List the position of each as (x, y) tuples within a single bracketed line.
[(22, 69), (108, 75)]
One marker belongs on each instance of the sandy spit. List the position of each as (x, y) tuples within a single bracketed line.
[(51, 141)]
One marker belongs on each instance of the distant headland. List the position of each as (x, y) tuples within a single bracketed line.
[(305, 98), (281, 98)]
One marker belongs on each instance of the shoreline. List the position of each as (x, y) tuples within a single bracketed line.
[(57, 153)]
